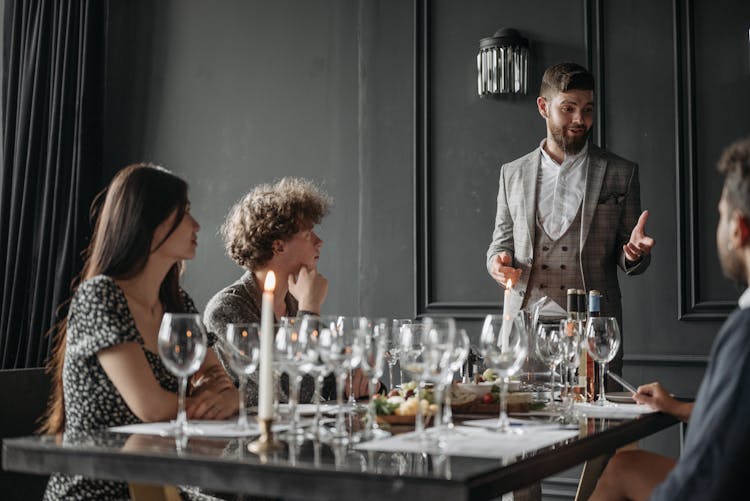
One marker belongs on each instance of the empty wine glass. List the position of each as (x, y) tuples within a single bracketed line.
[(602, 343), (310, 327), (392, 353), (374, 343), (398, 324), (549, 348), (437, 336), (504, 344), (243, 353), (292, 354), (571, 332), (182, 347), (412, 347), (340, 346), (459, 354)]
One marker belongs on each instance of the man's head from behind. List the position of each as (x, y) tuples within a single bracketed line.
[(566, 101), (733, 231)]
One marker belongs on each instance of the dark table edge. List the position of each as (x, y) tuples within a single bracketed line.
[(305, 483)]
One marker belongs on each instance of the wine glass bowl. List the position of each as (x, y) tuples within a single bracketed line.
[(504, 345), (549, 348), (243, 354), (182, 345), (340, 347), (602, 341)]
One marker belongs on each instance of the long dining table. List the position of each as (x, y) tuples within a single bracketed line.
[(315, 470)]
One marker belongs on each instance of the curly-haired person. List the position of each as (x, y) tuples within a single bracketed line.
[(272, 229)]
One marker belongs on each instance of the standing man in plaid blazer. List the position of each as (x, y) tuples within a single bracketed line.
[(569, 213)]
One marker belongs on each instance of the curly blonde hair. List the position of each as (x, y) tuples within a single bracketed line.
[(271, 212)]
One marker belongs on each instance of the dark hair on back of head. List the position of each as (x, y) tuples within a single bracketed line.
[(563, 77), (735, 165), (126, 214)]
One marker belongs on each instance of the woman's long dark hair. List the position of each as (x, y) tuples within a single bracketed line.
[(126, 214)]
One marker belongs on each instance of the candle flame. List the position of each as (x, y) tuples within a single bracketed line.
[(244, 333), (189, 334), (509, 284), (270, 284)]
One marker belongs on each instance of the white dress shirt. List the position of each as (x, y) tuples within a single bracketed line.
[(744, 301), (561, 188)]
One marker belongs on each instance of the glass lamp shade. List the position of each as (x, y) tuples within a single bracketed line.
[(502, 63)]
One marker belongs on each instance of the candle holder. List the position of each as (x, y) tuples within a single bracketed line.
[(267, 441)]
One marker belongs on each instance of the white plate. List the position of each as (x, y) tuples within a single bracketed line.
[(620, 397)]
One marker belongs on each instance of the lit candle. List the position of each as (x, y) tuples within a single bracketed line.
[(265, 382), (505, 329)]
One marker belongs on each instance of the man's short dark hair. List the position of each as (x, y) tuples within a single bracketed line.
[(735, 165), (564, 77)]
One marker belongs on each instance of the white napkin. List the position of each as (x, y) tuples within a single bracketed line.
[(614, 411), (516, 424), (552, 310), (474, 442)]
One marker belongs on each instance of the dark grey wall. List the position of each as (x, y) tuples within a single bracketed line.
[(233, 93)]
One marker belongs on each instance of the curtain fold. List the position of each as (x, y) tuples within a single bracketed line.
[(53, 80)]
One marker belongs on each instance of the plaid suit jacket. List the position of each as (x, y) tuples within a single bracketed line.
[(611, 207)]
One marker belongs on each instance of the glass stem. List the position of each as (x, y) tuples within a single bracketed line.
[(602, 373), (448, 411), (295, 379), (439, 393), (372, 423), (502, 423), (552, 381), (562, 380), (181, 414), (341, 381), (318, 397), (242, 419), (351, 399), (419, 417)]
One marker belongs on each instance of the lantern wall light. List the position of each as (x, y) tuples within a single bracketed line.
[(502, 63)]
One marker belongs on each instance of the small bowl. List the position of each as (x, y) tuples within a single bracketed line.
[(480, 389), (477, 389)]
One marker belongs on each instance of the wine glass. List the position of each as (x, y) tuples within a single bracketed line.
[(374, 348), (292, 354), (182, 347), (504, 344), (602, 343), (571, 332), (310, 328), (411, 351), (243, 353), (549, 348), (392, 353), (398, 324), (438, 354), (459, 355), (340, 346)]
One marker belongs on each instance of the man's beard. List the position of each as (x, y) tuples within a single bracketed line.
[(733, 268), (570, 146)]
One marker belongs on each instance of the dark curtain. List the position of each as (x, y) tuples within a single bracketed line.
[(53, 74)]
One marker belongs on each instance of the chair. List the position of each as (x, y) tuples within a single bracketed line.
[(23, 393)]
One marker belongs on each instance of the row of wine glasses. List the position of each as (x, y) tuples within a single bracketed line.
[(561, 344), (430, 351)]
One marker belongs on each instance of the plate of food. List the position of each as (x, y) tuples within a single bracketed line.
[(484, 382), (400, 406)]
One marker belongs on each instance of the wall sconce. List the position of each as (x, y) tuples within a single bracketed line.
[(502, 63)]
